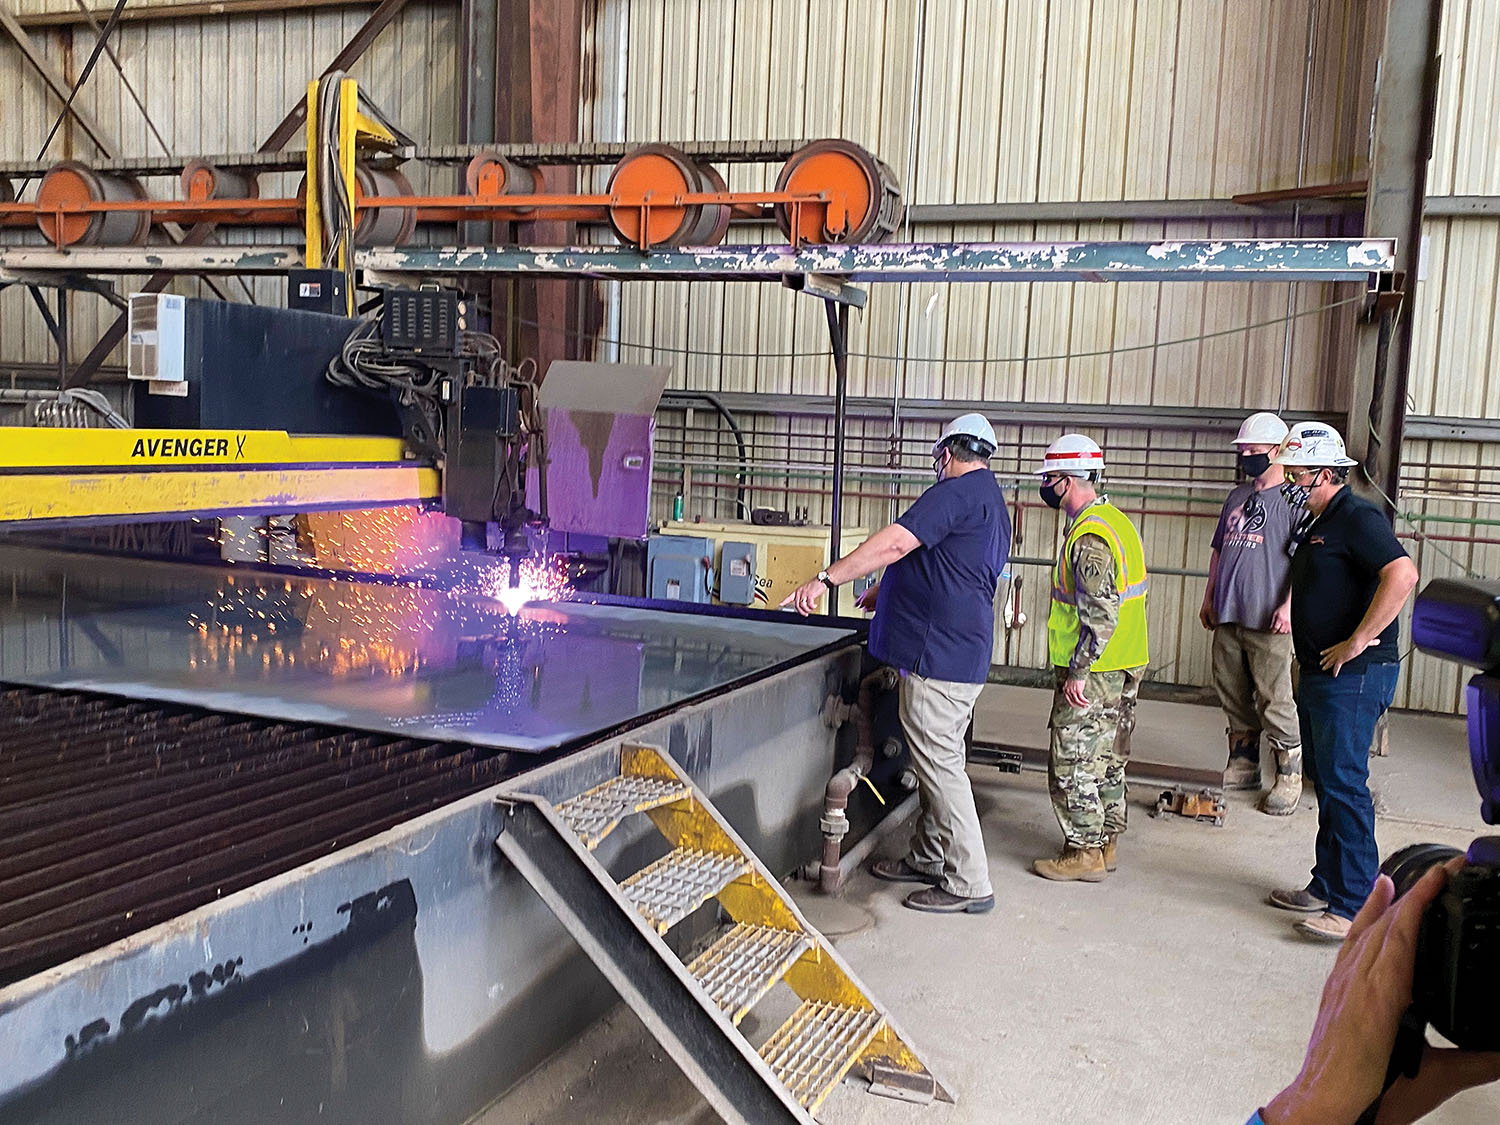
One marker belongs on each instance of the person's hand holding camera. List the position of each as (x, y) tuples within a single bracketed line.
[(1367, 991)]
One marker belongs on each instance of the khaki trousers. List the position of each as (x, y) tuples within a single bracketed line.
[(947, 841), (1252, 673)]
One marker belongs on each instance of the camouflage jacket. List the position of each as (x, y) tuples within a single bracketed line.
[(1098, 601)]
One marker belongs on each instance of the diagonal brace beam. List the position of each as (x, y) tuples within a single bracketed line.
[(101, 137)]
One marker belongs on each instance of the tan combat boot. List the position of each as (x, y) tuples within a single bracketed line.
[(1284, 795), (1084, 865), (1243, 768), (1108, 851)]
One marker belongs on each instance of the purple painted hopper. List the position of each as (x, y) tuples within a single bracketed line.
[(599, 424)]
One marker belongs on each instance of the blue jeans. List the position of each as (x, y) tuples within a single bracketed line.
[(1338, 717)]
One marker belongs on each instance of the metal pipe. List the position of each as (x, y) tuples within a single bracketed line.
[(851, 860), (907, 185), (835, 822), (1377, 392), (813, 471), (1307, 65), (838, 331), (62, 329)]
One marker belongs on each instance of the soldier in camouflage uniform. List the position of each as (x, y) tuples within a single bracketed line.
[(1098, 648)]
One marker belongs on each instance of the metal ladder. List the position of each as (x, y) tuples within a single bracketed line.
[(694, 1009)]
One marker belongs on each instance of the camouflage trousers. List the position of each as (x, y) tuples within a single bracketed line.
[(1086, 766)]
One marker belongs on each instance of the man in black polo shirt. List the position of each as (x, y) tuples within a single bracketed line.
[(935, 621), (1350, 578)]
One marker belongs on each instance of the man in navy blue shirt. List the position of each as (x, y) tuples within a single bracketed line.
[(935, 621)]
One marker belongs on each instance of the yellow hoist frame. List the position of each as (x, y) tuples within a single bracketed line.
[(356, 130)]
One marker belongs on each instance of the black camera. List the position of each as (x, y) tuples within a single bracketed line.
[(1457, 978)]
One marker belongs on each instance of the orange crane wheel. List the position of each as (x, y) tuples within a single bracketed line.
[(382, 226), (202, 180), (72, 182), (663, 172), (860, 185), (490, 174)]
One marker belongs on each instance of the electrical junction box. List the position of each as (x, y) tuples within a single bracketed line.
[(679, 568), (788, 565), (156, 352), (737, 573), (421, 321), (321, 291), (785, 557)]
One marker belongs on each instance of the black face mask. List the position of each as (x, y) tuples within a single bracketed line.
[(1052, 494), (1253, 464)]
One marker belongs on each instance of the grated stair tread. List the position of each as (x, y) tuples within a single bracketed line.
[(593, 815), (812, 1051), (744, 964), (684, 879)]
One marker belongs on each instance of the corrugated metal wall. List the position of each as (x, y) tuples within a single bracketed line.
[(1018, 102), (1025, 102)]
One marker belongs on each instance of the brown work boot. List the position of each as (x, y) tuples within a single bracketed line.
[(1085, 865), (1243, 768), (1284, 795), (1111, 861)]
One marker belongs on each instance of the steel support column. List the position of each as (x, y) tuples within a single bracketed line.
[(1405, 110), (477, 53), (538, 89)]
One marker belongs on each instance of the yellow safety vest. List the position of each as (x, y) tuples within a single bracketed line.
[(1127, 647)]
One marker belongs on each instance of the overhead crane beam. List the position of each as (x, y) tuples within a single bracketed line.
[(1310, 259)]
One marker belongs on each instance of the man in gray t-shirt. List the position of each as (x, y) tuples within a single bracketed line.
[(1247, 604)]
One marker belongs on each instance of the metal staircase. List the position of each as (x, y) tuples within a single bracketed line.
[(555, 818)]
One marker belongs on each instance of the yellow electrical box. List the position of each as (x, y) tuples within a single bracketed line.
[(785, 557), (788, 565)]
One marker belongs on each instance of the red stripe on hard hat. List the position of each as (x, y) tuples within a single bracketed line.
[(1072, 456)]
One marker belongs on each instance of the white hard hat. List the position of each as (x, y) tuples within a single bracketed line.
[(1072, 453), (1314, 445), (1264, 428), (975, 426)]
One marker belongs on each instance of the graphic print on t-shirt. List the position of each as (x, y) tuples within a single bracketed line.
[(1245, 526), (1253, 538)]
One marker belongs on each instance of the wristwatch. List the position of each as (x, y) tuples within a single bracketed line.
[(829, 582)]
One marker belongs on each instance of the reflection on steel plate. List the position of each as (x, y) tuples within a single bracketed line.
[(419, 662)]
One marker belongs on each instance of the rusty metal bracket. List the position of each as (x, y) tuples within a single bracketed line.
[(1206, 805)]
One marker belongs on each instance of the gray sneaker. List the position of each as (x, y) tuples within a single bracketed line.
[(1300, 902)]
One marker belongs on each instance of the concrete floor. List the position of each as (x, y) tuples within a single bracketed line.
[(1168, 993)]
